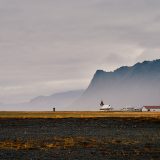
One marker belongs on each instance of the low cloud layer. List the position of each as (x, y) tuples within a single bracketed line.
[(49, 46)]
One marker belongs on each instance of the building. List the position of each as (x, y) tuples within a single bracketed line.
[(131, 109), (151, 109), (128, 109), (106, 108)]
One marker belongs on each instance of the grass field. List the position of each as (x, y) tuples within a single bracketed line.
[(83, 114)]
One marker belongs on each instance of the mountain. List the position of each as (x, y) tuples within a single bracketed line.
[(59, 100), (137, 85), (45, 103)]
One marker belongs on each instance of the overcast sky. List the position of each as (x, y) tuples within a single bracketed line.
[(47, 46)]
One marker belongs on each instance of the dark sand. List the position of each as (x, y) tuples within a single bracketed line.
[(80, 139)]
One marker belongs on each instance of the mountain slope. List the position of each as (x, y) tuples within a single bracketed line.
[(137, 85), (45, 103), (58, 100)]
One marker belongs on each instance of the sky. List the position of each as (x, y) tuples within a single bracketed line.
[(49, 46)]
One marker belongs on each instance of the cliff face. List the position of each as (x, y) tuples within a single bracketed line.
[(127, 86)]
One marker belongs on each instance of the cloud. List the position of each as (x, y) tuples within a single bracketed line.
[(54, 41), (151, 54)]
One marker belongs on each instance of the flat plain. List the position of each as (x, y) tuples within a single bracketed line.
[(80, 114), (79, 135)]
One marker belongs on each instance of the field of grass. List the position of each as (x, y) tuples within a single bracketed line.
[(82, 114)]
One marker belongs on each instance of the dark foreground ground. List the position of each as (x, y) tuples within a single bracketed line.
[(80, 139)]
